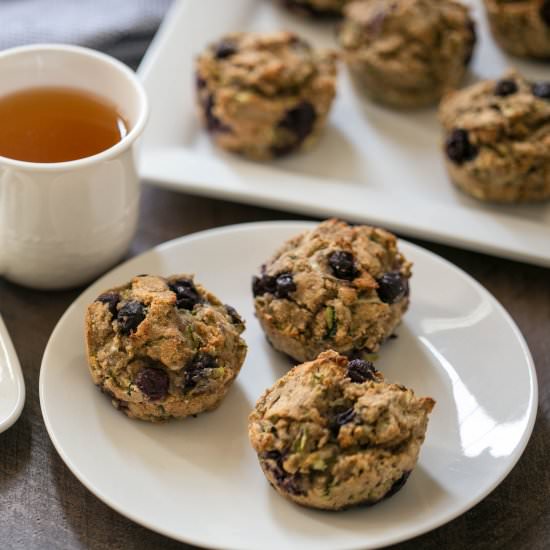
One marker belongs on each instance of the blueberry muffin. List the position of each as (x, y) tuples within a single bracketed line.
[(163, 348), (264, 95), (521, 27), (407, 53), (497, 139), (332, 434), (337, 287), (317, 8)]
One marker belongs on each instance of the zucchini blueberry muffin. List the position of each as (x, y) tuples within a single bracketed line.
[(497, 139), (407, 53), (317, 8), (521, 27), (337, 287), (163, 348), (265, 95), (332, 434)]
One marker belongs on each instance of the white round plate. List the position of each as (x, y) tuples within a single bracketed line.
[(198, 480)]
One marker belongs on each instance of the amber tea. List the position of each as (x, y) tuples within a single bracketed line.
[(56, 124)]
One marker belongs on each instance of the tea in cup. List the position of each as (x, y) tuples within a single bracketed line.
[(69, 188)]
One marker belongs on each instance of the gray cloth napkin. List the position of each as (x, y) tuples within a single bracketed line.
[(122, 28)]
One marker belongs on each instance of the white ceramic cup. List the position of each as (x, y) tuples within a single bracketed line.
[(63, 223)]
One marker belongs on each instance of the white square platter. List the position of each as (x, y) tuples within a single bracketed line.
[(372, 164)]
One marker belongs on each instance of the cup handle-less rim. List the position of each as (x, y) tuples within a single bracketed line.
[(113, 151), (12, 385)]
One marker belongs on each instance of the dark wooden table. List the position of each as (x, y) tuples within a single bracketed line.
[(43, 506)]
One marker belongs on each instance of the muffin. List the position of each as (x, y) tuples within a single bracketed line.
[(407, 53), (521, 27), (317, 8), (264, 95), (337, 286), (497, 139), (163, 347), (332, 434)]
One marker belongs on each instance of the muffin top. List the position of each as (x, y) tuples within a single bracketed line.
[(336, 261), (498, 119), (269, 64), (412, 31), (330, 414)]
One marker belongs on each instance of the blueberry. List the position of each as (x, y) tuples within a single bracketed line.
[(300, 120), (197, 369), (257, 286), (130, 316), (360, 371), (224, 49), (280, 286), (398, 485), (471, 42), (200, 82), (545, 12), (505, 87), (286, 481), (187, 296), (213, 123), (153, 383), (541, 89), (284, 285), (263, 284), (111, 299), (392, 287), (458, 147), (340, 419), (344, 417), (236, 319), (343, 265), (272, 455)]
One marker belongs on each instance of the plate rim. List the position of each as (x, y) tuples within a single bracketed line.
[(299, 225), (8, 352)]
